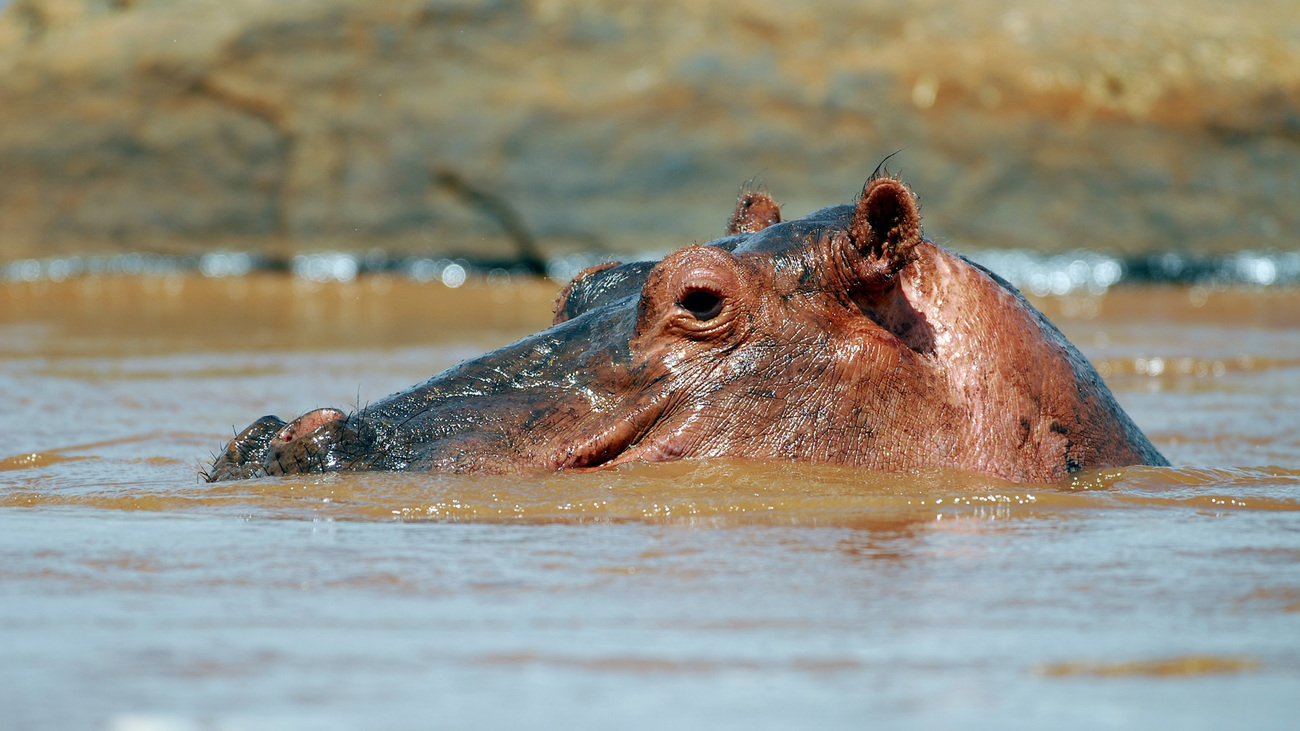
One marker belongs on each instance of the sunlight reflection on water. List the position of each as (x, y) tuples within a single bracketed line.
[(1037, 273)]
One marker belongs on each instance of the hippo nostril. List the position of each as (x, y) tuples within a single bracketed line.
[(308, 423)]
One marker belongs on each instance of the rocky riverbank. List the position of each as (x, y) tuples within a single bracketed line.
[(470, 126)]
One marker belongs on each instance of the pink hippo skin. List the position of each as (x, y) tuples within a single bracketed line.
[(842, 337)]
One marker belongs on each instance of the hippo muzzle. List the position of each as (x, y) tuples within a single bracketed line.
[(565, 398), (318, 441)]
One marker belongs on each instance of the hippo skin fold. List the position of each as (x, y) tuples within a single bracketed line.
[(841, 337)]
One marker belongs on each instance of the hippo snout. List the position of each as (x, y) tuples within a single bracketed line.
[(243, 455), (306, 425), (303, 444), (318, 441)]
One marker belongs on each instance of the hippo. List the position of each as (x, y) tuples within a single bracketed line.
[(842, 337)]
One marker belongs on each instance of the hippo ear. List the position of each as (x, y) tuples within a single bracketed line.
[(886, 227), (755, 211)]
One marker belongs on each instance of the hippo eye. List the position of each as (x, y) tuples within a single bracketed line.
[(701, 303)]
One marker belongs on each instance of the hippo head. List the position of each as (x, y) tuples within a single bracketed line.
[(840, 337)]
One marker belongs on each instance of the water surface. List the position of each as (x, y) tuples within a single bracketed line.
[(717, 594)]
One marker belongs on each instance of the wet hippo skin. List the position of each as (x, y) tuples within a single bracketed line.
[(842, 337)]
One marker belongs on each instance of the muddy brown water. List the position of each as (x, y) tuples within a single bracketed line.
[(705, 595)]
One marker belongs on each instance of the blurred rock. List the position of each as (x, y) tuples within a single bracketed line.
[(178, 126)]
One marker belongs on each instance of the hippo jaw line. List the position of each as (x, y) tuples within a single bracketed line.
[(623, 440)]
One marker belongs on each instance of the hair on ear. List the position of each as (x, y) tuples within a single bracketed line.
[(755, 211), (882, 170)]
